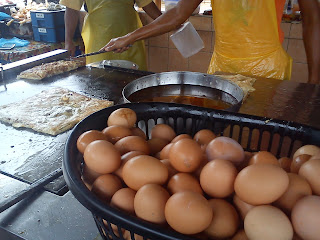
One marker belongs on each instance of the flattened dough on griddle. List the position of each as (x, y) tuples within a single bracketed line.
[(52, 111)]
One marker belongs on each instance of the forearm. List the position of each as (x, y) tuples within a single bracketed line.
[(310, 11), (152, 10), (168, 21), (71, 22)]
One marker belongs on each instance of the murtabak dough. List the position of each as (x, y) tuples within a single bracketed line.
[(52, 111), (50, 69)]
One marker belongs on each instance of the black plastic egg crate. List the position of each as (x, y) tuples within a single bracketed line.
[(282, 138)]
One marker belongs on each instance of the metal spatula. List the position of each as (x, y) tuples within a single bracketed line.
[(93, 53), (89, 54)]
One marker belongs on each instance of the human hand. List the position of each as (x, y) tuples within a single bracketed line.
[(71, 48), (117, 45)]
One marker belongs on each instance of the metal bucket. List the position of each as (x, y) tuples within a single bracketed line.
[(188, 83)]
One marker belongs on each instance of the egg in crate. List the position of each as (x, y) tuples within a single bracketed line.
[(88, 137), (181, 136), (264, 157), (132, 143), (203, 185), (181, 182), (261, 183), (163, 131), (225, 148), (114, 133), (307, 149), (266, 222), (142, 170), (185, 155), (125, 158), (297, 189), (102, 157), (310, 170), (122, 117), (124, 199), (188, 212), (225, 221), (150, 201), (305, 217)]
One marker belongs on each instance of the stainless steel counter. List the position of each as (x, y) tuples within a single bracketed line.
[(29, 156)]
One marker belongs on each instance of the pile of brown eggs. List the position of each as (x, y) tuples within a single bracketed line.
[(204, 186)]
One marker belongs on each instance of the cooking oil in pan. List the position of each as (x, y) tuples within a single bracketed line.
[(185, 94)]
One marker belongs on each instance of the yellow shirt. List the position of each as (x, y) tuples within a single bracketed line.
[(77, 4), (107, 19)]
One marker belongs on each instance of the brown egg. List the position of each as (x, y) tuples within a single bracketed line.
[(132, 143), (298, 161), (125, 158), (181, 136), (142, 170), (163, 131), (204, 136), (156, 145), (217, 178), (298, 188), (138, 132), (305, 217), (124, 199), (285, 163), (149, 203), (185, 155), (243, 207), (264, 157), (188, 212), (164, 153), (225, 219), (184, 182), (88, 175), (102, 157), (310, 170), (105, 186), (307, 149), (115, 133), (261, 183), (171, 170), (88, 137), (267, 222), (225, 148), (122, 117), (240, 235)]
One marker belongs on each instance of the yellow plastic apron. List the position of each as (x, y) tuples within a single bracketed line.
[(247, 39), (108, 19)]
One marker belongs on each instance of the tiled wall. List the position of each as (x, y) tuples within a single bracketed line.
[(163, 55)]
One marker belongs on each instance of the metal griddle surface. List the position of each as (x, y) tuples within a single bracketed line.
[(28, 155)]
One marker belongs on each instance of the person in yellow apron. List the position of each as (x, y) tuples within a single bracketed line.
[(262, 54), (247, 39), (107, 19)]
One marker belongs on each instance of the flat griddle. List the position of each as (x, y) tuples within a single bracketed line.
[(30, 156)]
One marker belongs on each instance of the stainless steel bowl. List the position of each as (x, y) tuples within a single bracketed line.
[(201, 85)]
